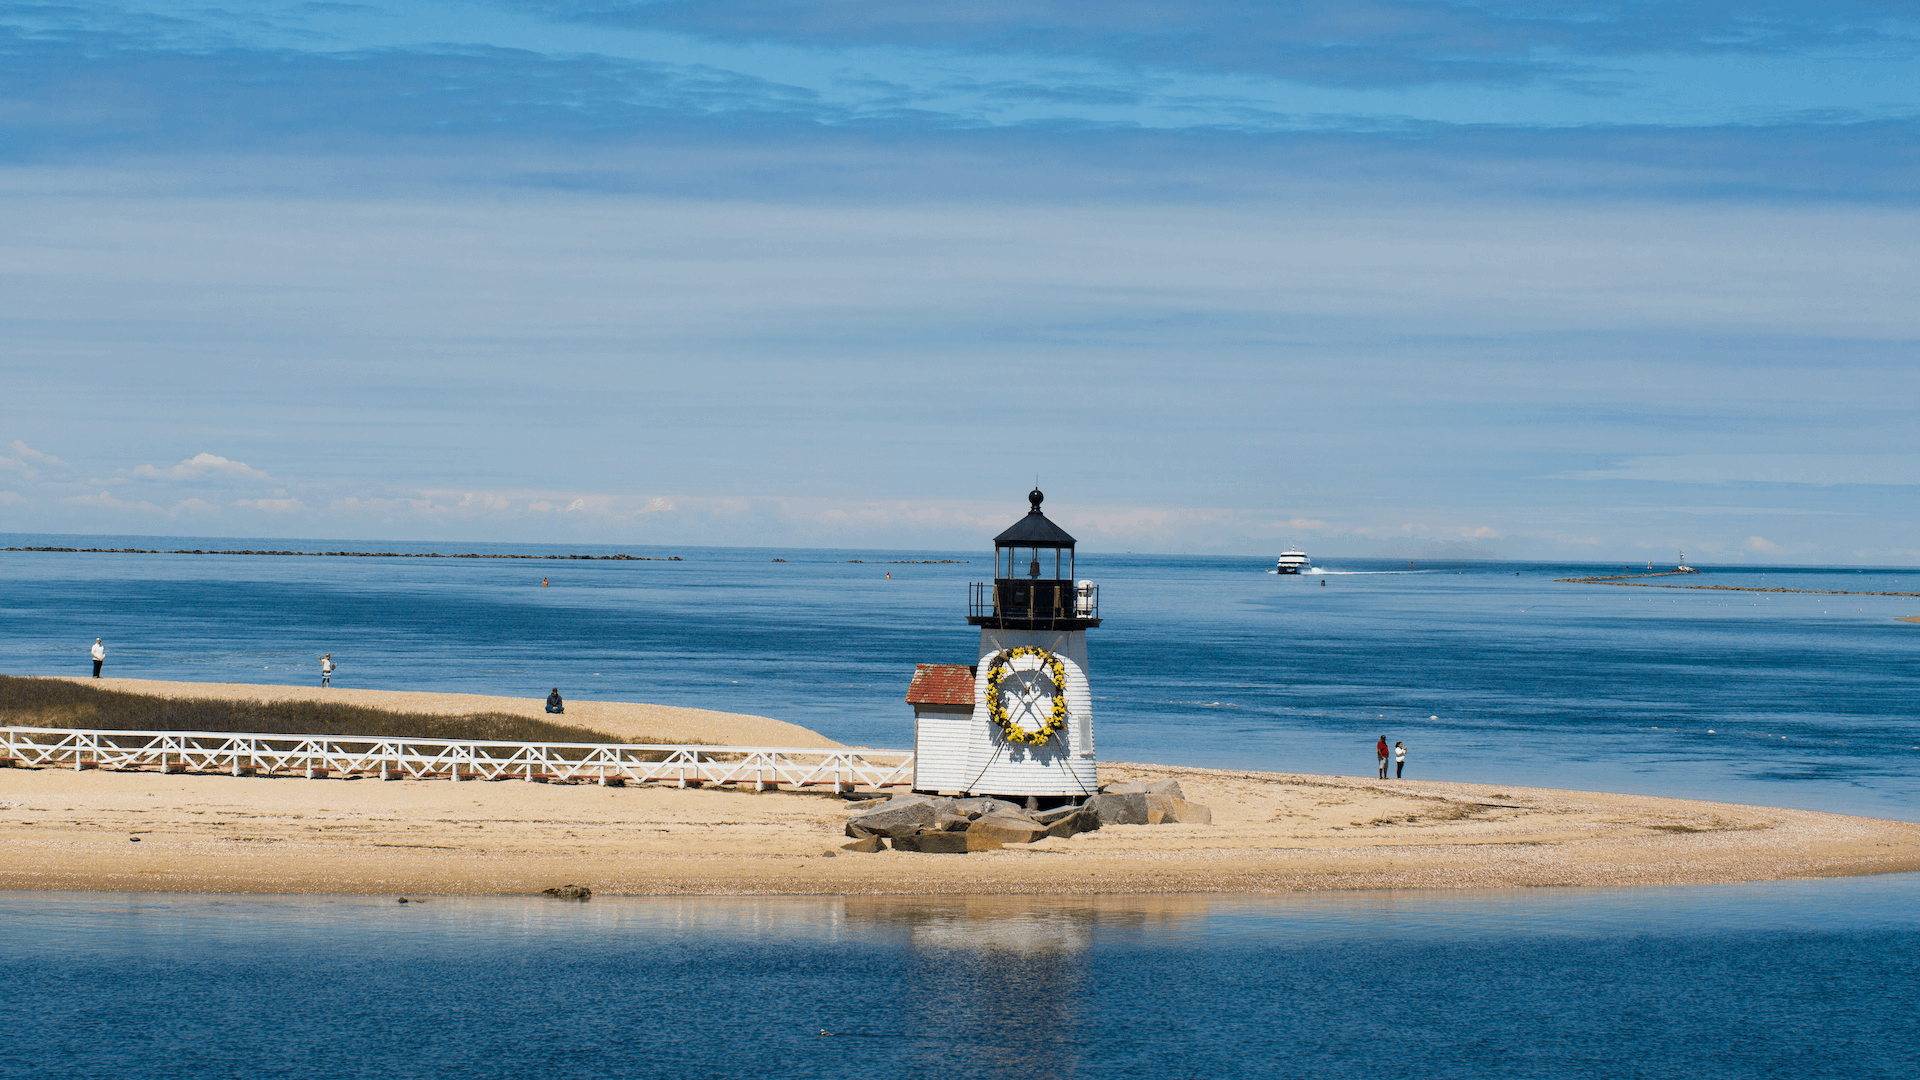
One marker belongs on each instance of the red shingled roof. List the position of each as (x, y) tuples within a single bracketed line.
[(941, 684)]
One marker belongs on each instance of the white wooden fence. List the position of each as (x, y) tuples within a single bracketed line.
[(318, 756)]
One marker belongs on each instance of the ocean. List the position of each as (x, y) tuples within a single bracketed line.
[(1490, 672)]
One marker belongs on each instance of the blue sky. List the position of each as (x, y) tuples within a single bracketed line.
[(1593, 281)]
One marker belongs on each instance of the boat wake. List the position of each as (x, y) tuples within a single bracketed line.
[(1357, 573)]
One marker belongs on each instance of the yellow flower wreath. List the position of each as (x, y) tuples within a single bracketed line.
[(997, 710)]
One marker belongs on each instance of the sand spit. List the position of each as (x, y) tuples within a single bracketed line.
[(61, 829), (630, 721)]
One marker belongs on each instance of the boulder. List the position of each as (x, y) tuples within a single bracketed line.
[(868, 844), (1008, 828), (1077, 822), (981, 805), (1168, 788), (945, 822), (568, 892), (1048, 817), (897, 817), (1119, 808), (1160, 810), (982, 840), (933, 843), (1191, 813)]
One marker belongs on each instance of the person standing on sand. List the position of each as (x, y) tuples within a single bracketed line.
[(99, 656), (554, 704), (1380, 751), (1399, 758), (326, 669)]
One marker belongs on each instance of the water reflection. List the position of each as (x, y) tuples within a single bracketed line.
[(1024, 925)]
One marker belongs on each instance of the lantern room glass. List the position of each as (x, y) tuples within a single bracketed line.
[(1056, 563)]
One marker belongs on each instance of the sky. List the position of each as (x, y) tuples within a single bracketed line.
[(1582, 281)]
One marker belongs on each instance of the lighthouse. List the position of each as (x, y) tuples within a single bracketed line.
[(1030, 731)]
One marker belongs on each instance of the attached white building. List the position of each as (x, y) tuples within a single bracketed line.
[(1027, 727)]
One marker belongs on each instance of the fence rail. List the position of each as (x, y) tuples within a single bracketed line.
[(319, 756)]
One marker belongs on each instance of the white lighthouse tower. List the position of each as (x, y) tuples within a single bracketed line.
[(1031, 729)]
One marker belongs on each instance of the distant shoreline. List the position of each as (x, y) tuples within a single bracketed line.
[(1720, 588), (347, 554)]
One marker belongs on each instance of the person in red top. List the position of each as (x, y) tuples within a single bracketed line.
[(1380, 749)]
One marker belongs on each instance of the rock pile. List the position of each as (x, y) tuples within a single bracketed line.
[(937, 824)]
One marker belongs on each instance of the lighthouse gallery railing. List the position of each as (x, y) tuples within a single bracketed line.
[(1030, 598), (244, 753)]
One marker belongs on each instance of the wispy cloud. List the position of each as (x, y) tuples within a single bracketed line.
[(28, 453), (646, 94), (272, 506), (200, 466), (1816, 469), (1331, 42), (104, 500), (28, 461)]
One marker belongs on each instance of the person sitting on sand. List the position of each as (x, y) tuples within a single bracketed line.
[(326, 669), (554, 704), (1380, 751)]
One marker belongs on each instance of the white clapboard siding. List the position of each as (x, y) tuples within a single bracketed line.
[(940, 751), (970, 753)]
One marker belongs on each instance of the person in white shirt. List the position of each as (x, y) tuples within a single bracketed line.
[(326, 669), (99, 656), (1399, 758)]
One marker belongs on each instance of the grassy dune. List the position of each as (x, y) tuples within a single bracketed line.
[(63, 704)]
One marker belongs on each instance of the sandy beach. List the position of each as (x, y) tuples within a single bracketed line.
[(146, 831)]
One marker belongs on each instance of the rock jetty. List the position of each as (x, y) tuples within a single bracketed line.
[(937, 824)]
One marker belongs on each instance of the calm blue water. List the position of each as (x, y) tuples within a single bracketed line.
[(1489, 671), (1797, 979)]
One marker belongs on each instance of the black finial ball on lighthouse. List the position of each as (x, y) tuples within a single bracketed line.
[(1036, 498)]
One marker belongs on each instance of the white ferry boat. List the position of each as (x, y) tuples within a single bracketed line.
[(1292, 562)]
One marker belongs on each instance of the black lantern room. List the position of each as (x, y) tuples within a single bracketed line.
[(1033, 584)]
